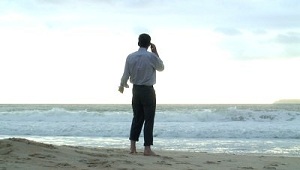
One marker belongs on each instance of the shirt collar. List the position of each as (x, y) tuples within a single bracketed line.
[(142, 49)]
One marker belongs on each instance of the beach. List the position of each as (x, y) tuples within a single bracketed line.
[(201, 137), (20, 153)]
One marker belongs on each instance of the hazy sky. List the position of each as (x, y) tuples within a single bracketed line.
[(214, 51)]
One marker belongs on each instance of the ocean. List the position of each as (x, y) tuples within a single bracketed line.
[(272, 129)]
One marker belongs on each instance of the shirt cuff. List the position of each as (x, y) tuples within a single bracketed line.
[(125, 85)]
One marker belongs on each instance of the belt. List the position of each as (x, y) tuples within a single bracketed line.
[(135, 85)]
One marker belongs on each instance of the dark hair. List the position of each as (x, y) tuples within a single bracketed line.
[(144, 40)]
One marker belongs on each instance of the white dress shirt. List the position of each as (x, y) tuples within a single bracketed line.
[(141, 68)]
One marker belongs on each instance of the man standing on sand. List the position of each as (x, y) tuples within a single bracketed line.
[(141, 68)]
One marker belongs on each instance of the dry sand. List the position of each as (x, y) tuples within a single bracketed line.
[(24, 154)]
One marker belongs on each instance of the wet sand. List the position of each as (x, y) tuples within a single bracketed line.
[(16, 153)]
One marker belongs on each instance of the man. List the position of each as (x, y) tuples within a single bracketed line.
[(141, 68)]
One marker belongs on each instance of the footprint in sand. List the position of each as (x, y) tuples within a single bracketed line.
[(246, 167), (62, 165), (184, 156), (163, 163), (5, 148), (96, 162), (167, 158), (212, 162), (92, 154), (5, 151), (22, 160), (42, 156), (270, 167)]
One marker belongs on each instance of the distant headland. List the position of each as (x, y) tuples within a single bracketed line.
[(288, 101)]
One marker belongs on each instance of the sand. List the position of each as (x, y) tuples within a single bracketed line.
[(16, 153)]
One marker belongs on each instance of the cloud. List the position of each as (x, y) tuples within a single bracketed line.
[(228, 31), (250, 29), (259, 32), (289, 38), (278, 14), (262, 45), (251, 15), (290, 43)]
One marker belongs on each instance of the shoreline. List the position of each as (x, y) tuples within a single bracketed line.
[(268, 147), (21, 153)]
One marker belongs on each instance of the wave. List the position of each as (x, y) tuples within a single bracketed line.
[(171, 121), (163, 115)]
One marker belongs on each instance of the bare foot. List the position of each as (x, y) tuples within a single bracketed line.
[(133, 148), (133, 152)]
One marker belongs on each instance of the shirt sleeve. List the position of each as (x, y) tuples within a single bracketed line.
[(158, 63), (125, 76)]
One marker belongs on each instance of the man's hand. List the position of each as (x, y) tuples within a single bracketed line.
[(153, 49), (121, 89)]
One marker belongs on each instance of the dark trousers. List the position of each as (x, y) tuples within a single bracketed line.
[(143, 106)]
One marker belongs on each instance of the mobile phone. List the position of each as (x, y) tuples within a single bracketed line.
[(151, 45)]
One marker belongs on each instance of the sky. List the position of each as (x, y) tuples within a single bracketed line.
[(214, 51)]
